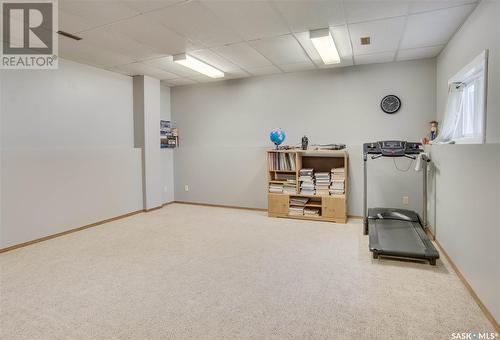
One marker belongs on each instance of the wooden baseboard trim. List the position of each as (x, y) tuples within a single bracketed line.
[(220, 206), (159, 207), (462, 278), (355, 217), (74, 230)]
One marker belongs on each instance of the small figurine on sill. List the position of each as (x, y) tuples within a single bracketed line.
[(305, 142), (433, 130)]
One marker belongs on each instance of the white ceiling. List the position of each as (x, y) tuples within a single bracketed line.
[(247, 38)]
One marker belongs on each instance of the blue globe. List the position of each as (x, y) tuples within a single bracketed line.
[(277, 136)]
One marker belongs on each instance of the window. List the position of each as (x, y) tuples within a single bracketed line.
[(465, 116)]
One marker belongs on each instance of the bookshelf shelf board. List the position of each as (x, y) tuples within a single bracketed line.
[(312, 218), (310, 204), (312, 196), (284, 171)]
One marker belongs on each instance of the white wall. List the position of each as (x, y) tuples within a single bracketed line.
[(224, 129), (76, 107), (465, 194), (67, 150), (167, 155)]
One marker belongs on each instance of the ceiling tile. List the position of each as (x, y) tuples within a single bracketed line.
[(296, 67), (178, 82), (419, 53), (243, 55), (309, 15), (142, 29), (251, 19), (105, 39), (281, 50), (135, 69), (144, 6), (367, 10), (434, 28), (215, 60), (71, 23), (196, 23), (384, 34), (204, 79), (375, 58), (342, 40), (428, 5), (96, 13), (86, 53), (167, 64), (261, 71)]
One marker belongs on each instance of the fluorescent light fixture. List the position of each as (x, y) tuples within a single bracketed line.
[(198, 65), (324, 44)]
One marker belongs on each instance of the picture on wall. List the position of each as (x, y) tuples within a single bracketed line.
[(165, 132)]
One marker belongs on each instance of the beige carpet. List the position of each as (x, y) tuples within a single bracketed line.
[(189, 272)]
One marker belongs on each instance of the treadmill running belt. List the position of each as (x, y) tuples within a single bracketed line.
[(396, 237)]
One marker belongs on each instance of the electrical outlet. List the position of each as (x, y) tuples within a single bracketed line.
[(405, 200), (186, 187)]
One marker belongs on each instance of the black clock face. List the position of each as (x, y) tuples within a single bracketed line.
[(390, 104)]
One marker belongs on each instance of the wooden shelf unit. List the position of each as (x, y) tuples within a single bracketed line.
[(333, 207)]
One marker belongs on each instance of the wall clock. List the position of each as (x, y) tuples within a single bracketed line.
[(390, 104)]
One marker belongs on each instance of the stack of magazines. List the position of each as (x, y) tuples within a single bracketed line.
[(276, 188), (296, 211), (311, 211), (322, 183), (306, 181), (337, 186)]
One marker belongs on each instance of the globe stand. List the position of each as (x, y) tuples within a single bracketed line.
[(277, 146)]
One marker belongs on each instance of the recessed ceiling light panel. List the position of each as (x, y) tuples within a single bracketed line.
[(324, 44), (198, 66)]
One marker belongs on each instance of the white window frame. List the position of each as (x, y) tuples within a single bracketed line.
[(462, 76)]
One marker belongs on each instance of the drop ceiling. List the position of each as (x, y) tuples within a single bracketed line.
[(251, 38)]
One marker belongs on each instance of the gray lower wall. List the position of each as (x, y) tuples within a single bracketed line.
[(45, 192), (224, 129), (464, 190), (466, 219)]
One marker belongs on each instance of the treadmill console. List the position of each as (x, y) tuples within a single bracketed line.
[(392, 148)]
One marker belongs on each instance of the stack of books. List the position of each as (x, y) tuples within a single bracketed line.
[(290, 187), (337, 186), (276, 188), (302, 201), (306, 181), (311, 211), (296, 211), (322, 183)]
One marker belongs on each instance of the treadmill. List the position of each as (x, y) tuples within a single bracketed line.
[(397, 232)]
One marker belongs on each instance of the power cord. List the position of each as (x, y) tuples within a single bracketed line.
[(402, 170)]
